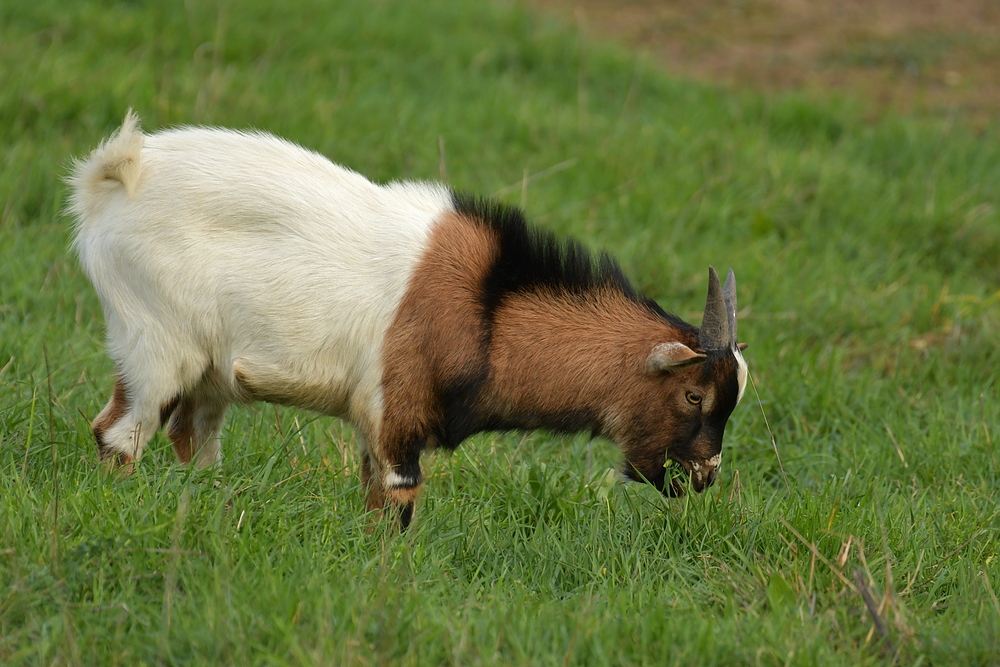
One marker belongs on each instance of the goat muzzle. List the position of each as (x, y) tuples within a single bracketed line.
[(701, 472)]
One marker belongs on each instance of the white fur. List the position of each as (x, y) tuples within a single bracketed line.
[(741, 373), (711, 464), (214, 251), (394, 480)]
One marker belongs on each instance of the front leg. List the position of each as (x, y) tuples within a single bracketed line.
[(395, 481)]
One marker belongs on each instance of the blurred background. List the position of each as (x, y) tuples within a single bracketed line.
[(936, 56)]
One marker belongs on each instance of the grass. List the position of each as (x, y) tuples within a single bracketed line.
[(868, 263)]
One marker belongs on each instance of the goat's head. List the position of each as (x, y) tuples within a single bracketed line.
[(686, 394)]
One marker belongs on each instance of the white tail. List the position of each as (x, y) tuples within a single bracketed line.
[(114, 164)]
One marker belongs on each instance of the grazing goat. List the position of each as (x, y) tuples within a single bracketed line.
[(235, 267)]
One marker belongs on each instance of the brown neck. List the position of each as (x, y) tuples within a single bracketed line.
[(567, 363)]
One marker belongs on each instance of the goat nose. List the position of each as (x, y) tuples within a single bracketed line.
[(703, 473)]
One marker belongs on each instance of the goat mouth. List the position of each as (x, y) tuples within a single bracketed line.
[(683, 476), (677, 478)]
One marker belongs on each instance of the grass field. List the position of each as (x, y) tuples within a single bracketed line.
[(868, 263)]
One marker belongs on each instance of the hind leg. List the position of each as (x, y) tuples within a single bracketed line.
[(110, 416), (195, 428), (126, 424), (153, 371), (371, 481)]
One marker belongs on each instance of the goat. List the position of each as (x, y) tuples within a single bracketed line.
[(235, 267)]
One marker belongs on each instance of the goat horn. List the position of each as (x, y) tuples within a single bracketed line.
[(714, 333), (729, 296)]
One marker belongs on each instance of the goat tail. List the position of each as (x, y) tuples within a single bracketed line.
[(111, 167)]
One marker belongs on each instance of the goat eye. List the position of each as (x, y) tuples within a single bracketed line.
[(693, 398)]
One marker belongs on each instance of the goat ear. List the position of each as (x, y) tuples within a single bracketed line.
[(742, 346), (667, 357)]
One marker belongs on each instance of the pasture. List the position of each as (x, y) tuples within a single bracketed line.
[(867, 257)]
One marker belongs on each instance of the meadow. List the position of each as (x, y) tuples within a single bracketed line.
[(867, 256)]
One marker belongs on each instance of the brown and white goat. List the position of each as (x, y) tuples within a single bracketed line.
[(235, 267)]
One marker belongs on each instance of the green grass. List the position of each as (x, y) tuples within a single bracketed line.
[(868, 264)]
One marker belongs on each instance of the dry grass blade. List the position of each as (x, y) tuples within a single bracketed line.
[(989, 589), (899, 452), (982, 410), (6, 366), (530, 178), (866, 595), (774, 443), (812, 547), (976, 535)]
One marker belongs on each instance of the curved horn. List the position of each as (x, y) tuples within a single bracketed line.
[(714, 333), (729, 296)]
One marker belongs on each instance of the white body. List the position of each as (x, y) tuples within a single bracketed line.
[(219, 254)]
